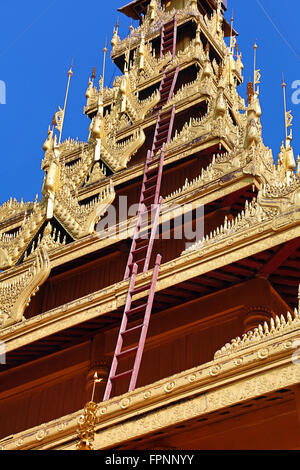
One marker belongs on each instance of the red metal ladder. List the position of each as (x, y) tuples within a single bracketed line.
[(167, 86), (169, 37), (142, 245)]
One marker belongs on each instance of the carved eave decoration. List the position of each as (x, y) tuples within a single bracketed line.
[(13, 209), (16, 292), (117, 155), (276, 206), (79, 220), (277, 327), (260, 363), (13, 245)]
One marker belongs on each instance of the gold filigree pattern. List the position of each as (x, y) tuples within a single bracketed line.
[(15, 295), (274, 329)]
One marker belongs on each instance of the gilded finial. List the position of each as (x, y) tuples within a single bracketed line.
[(288, 118), (87, 422), (60, 115), (95, 381), (256, 72), (115, 34), (232, 42)]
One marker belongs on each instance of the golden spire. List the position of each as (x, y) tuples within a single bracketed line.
[(96, 381), (60, 115), (93, 76), (87, 422), (287, 114), (289, 159), (232, 41), (127, 59), (115, 35), (256, 73), (104, 63)]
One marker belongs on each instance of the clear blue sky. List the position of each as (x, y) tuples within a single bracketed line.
[(38, 39)]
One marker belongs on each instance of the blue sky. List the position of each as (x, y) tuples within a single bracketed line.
[(38, 39)]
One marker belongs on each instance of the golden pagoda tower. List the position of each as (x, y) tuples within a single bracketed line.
[(162, 261)]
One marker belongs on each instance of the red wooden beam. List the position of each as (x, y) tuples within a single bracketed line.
[(279, 258)]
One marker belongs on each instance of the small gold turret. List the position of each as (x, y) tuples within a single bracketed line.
[(49, 142), (142, 53), (198, 35), (253, 117), (298, 166), (288, 158), (115, 38), (221, 103), (51, 166), (152, 10)]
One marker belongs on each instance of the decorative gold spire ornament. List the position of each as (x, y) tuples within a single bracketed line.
[(97, 128), (289, 159), (115, 35), (288, 118), (60, 115), (87, 422), (219, 17), (256, 73)]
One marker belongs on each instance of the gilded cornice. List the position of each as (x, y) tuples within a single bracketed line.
[(265, 366), (12, 209), (15, 294), (12, 246), (79, 220), (117, 155), (260, 335), (276, 206)]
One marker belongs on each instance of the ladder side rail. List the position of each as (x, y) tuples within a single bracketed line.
[(173, 84), (175, 34), (119, 344), (162, 41), (152, 236), (171, 124), (141, 210), (155, 133), (144, 332), (159, 176)]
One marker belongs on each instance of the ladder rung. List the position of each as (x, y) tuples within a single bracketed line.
[(138, 250), (168, 41), (120, 376), (164, 127), (153, 178), (169, 79), (166, 119), (161, 135), (148, 199), (132, 330), (161, 139), (150, 189), (169, 34), (127, 352), (135, 310), (139, 261), (140, 289)]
